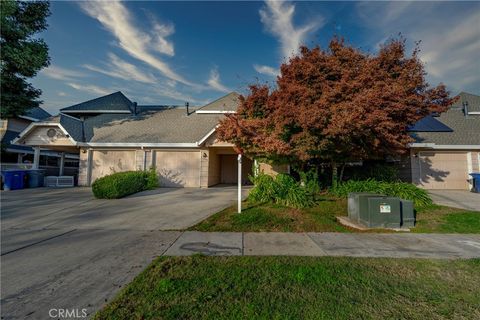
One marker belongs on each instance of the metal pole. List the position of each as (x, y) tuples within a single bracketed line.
[(239, 199)]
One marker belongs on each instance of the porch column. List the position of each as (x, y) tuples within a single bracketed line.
[(239, 196), (36, 157), (62, 164)]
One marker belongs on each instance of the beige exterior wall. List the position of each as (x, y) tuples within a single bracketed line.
[(178, 168), (435, 169), (38, 137), (273, 170), (475, 161), (105, 162), (83, 168)]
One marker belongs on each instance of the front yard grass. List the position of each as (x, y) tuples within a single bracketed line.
[(267, 217), (201, 287)]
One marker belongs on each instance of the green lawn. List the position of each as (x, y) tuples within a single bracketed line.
[(321, 218), (300, 288)]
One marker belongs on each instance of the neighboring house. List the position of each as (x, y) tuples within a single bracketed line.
[(113, 134), (447, 147), (15, 156)]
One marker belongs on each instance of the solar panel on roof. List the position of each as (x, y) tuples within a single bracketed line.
[(429, 124)]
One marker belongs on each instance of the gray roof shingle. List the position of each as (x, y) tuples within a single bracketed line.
[(170, 125), (112, 102), (466, 129), (225, 103), (37, 113)]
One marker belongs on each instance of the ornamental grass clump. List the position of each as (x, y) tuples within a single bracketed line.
[(282, 189)]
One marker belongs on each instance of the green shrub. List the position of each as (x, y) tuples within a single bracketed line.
[(121, 184), (402, 190), (282, 190), (378, 171), (152, 179), (310, 180)]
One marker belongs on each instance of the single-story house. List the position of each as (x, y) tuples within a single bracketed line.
[(113, 134)]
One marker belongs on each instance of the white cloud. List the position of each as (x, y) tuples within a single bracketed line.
[(121, 69), (269, 71), (92, 89), (61, 94), (214, 81), (59, 73), (116, 18), (449, 50), (277, 16)]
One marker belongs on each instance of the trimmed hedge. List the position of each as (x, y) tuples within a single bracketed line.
[(402, 190), (121, 184)]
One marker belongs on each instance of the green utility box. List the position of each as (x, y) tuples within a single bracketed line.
[(408, 214), (358, 201), (381, 212)]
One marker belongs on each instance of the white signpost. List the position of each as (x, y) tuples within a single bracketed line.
[(239, 206)]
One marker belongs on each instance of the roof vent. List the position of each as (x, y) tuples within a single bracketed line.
[(186, 106), (465, 108), (135, 108)]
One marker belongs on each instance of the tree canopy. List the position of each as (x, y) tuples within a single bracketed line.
[(23, 54), (336, 105)]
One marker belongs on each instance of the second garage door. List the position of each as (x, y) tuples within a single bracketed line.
[(178, 169), (442, 170)]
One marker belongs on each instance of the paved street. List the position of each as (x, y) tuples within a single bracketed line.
[(61, 248)]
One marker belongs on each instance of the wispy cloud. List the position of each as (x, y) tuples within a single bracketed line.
[(121, 69), (277, 16), (89, 88), (116, 18), (449, 50), (214, 81), (59, 73), (269, 71)]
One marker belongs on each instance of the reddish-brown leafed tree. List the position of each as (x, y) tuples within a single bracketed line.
[(336, 105)]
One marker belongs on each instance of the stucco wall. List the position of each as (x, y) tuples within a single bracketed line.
[(273, 170)]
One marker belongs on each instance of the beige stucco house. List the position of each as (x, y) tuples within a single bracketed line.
[(113, 134)]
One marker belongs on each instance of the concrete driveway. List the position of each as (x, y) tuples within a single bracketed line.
[(63, 249), (456, 199)]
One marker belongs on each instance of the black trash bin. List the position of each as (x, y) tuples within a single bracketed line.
[(35, 178)]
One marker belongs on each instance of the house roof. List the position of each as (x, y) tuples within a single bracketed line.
[(473, 101), (116, 101), (37, 113), (465, 128), (7, 138), (225, 103)]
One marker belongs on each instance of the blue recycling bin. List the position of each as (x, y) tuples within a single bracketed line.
[(476, 182), (13, 180)]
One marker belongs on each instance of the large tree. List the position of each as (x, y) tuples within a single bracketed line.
[(336, 105), (23, 54)]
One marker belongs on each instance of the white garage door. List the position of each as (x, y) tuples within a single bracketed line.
[(108, 162), (442, 170), (178, 169)]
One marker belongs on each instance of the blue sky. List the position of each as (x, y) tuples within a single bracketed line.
[(172, 52)]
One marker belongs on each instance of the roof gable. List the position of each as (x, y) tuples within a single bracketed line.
[(113, 103)]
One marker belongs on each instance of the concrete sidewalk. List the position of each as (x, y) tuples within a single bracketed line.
[(439, 246)]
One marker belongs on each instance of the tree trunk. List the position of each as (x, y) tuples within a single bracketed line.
[(341, 173), (334, 175)]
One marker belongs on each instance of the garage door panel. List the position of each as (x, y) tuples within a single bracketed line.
[(443, 170), (178, 169), (108, 162)]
